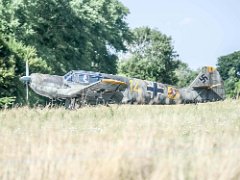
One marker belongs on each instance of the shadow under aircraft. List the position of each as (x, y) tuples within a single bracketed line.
[(85, 87)]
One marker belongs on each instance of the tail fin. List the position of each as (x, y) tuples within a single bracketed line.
[(209, 79)]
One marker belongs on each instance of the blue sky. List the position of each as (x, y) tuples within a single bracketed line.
[(202, 30)]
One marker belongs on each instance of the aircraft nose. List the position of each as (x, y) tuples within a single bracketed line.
[(25, 79)]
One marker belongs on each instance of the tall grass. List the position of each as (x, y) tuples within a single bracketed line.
[(122, 142)]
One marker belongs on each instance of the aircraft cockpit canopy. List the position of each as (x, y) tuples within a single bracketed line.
[(82, 77)]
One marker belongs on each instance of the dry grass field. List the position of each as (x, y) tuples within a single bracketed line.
[(122, 142)]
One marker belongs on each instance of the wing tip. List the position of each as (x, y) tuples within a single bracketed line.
[(114, 82)]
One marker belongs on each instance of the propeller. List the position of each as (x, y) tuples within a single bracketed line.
[(27, 74), (26, 80), (27, 68)]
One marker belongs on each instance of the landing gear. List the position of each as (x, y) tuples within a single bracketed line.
[(101, 101), (75, 103), (70, 103)]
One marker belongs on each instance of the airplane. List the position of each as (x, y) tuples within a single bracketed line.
[(79, 87)]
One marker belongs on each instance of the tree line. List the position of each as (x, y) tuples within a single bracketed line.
[(56, 36)]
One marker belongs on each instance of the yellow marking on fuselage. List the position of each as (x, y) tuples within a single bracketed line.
[(211, 69), (173, 93), (112, 81), (134, 86)]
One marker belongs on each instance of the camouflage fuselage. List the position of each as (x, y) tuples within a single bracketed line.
[(147, 92), (91, 86)]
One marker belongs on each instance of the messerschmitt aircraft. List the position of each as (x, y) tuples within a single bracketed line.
[(85, 87)]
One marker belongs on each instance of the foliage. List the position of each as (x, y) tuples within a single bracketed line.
[(75, 34), (228, 66), (13, 55), (6, 101), (151, 56), (237, 89), (56, 36), (184, 74)]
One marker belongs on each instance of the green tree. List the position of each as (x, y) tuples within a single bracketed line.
[(56, 36), (74, 34), (184, 74), (13, 55), (237, 89), (227, 67), (151, 56)]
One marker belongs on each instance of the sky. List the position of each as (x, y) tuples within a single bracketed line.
[(202, 30)]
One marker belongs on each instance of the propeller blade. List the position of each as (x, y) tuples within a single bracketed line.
[(27, 74), (27, 68), (27, 92)]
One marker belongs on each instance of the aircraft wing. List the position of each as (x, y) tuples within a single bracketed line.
[(109, 85), (105, 86)]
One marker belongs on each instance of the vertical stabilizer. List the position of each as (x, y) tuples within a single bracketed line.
[(209, 79)]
